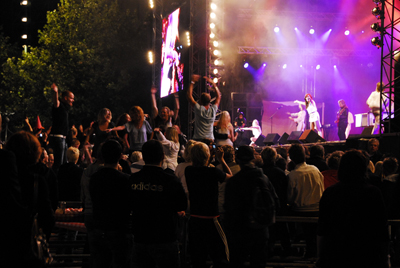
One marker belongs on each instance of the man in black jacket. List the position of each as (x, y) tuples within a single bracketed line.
[(157, 199), (244, 239)]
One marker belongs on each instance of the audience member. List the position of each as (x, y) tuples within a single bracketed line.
[(243, 239), (229, 157), (60, 126), (180, 169), (331, 175), (306, 185), (204, 111), (157, 199), (110, 239), (69, 177), (27, 150), (137, 161), (205, 233), (352, 225), (170, 144), (224, 126), (373, 149), (317, 157)]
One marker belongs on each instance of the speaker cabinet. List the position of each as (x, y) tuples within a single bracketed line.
[(367, 131), (271, 139), (283, 139), (294, 137), (310, 136)]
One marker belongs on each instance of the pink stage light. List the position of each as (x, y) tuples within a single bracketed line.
[(246, 65), (312, 31), (347, 32), (276, 29)]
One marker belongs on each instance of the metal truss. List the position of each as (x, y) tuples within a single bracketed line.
[(157, 41), (390, 66), (248, 14), (197, 58), (304, 52)]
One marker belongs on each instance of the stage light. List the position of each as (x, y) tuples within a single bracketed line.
[(215, 43), (284, 66), (24, 19), (312, 31), (376, 27), (24, 36), (301, 66), (215, 71), (295, 28), (246, 65), (377, 12), (276, 29), (24, 3), (334, 66), (151, 4), (213, 6), (264, 64), (212, 15), (150, 55), (216, 52), (376, 41), (318, 67), (347, 32), (212, 25), (216, 62), (212, 35), (215, 80)]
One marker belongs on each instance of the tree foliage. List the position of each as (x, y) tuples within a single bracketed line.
[(92, 48)]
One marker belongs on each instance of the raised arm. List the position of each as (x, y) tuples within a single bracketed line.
[(189, 93), (154, 108), (218, 93), (219, 154), (56, 102), (300, 102)]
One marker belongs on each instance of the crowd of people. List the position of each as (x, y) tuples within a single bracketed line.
[(140, 183)]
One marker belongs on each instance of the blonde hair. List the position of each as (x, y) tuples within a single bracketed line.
[(224, 121), (200, 154), (188, 149), (379, 87), (72, 155), (101, 116), (136, 156), (172, 134)]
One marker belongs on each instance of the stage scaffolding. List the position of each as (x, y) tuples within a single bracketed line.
[(389, 18)]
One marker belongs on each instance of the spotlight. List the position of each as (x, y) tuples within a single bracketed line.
[(24, 3), (215, 43), (150, 56), (212, 35), (376, 41), (24, 19), (334, 66), (215, 71), (347, 32), (276, 29), (216, 52), (264, 65), (213, 6), (151, 4), (24, 36), (284, 66), (246, 65), (318, 67), (312, 31), (377, 12), (215, 80), (295, 28), (376, 27), (216, 62), (301, 65), (212, 25), (212, 15)]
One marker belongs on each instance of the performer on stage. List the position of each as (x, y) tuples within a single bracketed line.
[(298, 118), (240, 120), (311, 108), (256, 129), (342, 119), (374, 104)]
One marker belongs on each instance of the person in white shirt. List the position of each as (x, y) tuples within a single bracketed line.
[(374, 105)]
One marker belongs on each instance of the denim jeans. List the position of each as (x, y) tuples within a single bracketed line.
[(59, 146), (163, 255), (110, 248)]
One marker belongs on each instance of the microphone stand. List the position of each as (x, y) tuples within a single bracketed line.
[(277, 109)]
